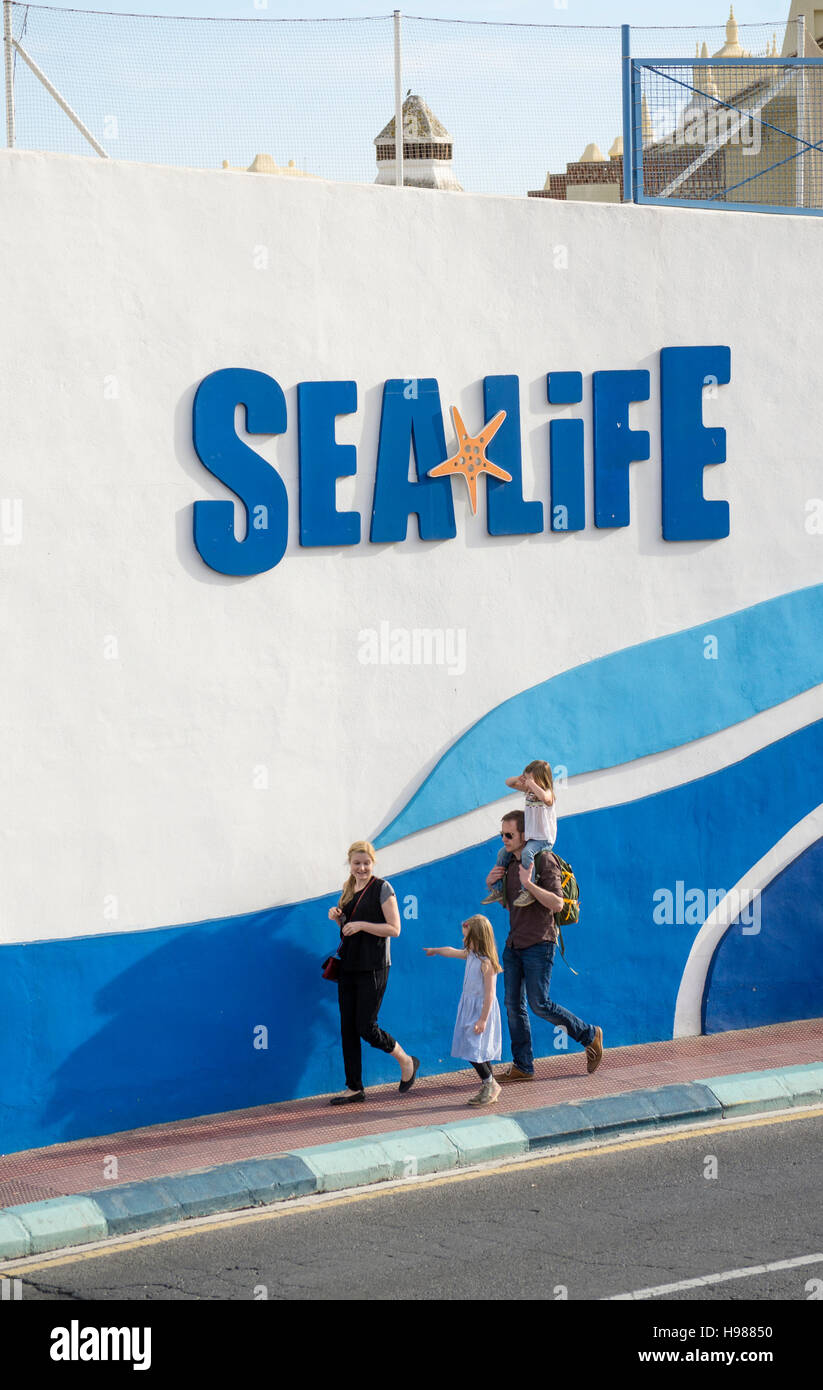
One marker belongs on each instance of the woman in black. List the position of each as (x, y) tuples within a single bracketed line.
[(368, 916)]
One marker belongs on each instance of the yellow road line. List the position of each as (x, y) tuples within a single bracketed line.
[(202, 1226)]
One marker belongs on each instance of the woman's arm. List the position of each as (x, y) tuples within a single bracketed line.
[(391, 926), (445, 951), (516, 782)]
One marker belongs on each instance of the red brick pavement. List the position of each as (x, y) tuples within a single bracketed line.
[(161, 1150)]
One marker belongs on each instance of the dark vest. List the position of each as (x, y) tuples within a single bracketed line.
[(364, 951)]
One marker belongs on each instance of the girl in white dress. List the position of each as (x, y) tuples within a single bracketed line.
[(477, 1030)]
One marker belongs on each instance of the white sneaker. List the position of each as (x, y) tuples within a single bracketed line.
[(488, 1093)]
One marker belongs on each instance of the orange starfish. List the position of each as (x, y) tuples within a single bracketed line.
[(471, 460)]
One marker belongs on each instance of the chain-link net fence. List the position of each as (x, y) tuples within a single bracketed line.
[(514, 105), (733, 133)]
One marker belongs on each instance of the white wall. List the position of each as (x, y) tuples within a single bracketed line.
[(134, 776)]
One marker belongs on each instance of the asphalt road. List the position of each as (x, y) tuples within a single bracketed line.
[(594, 1226)]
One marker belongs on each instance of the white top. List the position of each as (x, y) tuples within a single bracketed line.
[(541, 820)]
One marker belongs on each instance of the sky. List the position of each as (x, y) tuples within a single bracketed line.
[(574, 12), (518, 102)]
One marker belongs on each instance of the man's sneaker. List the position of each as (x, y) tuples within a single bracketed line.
[(487, 1094), (523, 899), (515, 1074), (594, 1051), (495, 896)]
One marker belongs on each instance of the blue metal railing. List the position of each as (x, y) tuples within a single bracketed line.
[(685, 137)]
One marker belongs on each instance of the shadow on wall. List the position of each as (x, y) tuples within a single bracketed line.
[(184, 1024), (119, 1031), (138, 1028), (182, 1020)]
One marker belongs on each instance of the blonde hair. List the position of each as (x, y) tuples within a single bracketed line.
[(479, 938), (359, 847), (542, 774)]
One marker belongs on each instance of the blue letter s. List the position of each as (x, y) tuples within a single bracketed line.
[(258, 485)]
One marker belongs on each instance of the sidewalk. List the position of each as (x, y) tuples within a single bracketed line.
[(557, 1104)]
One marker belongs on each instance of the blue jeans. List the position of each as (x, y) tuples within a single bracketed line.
[(527, 974), (530, 849)]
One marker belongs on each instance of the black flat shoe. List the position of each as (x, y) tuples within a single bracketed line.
[(348, 1098), (407, 1085)]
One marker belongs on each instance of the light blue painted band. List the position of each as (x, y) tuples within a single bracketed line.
[(674, 695)]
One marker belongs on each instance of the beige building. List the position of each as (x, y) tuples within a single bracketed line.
[(264, 164), (593, 178), (738, 136), (813, 15), (738, 132)]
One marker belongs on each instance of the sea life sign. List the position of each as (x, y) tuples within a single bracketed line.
[(411, 419)]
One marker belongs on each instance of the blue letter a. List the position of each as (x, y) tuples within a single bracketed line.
[(411, 415)]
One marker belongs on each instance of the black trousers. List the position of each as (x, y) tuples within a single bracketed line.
[(360, 993)]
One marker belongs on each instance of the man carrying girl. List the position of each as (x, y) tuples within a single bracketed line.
[(529, 954), (540, 824)]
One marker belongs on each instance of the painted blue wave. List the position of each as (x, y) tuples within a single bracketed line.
[(632, 703)]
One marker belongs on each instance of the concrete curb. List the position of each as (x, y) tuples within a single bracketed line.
[(59, 1221), (768, 1090), (576, 1121), (36, 1227)]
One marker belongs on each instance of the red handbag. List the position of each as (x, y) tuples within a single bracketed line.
[(331, 967)]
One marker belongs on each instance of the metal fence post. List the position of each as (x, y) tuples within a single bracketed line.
[(628, 134), (800, 190), (398, 104), (63, 104), (8, 55)]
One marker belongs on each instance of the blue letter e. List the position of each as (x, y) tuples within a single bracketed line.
[(688, 445), (259, 487)]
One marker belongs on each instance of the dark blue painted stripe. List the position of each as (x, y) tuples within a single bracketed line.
[(755, 973)]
